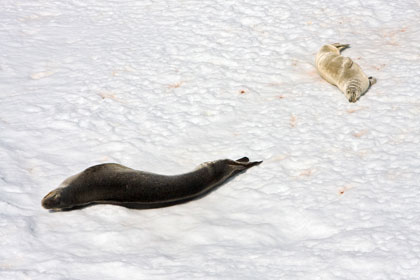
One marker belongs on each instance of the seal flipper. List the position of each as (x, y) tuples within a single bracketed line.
[(341, 47), (253, 163), (243, 163), (372, 81), (347, 62), (244, 159)]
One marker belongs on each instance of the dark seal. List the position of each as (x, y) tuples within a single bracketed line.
[(112, 183)]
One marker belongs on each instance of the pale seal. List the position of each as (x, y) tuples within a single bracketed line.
[(342, 71), (113, 183)]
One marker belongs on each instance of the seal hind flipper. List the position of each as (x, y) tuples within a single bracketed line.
[(372, 81), (347, 62), (251, 164), (341, 47), (244, 159), (244, 163)]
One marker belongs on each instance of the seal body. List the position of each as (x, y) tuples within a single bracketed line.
[(117, 184), (342, 71)]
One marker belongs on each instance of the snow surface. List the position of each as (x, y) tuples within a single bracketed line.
[(163, 86)]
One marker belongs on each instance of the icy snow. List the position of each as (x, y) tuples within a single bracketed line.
[(163, 86)]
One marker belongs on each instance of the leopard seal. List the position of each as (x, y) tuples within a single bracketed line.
[(112, 183), (342, 71)]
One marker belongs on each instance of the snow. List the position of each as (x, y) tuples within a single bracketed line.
[(163, 86)]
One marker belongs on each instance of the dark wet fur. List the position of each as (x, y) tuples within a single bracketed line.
[(243, 162)]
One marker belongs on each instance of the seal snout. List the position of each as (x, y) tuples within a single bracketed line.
[(52, 200), (351, 94)]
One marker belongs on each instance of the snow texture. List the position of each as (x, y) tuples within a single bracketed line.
[(163, 86)]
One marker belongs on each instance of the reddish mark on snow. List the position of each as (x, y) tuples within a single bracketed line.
[(109, 95), (360, 133), (242, 92), (41, 75), (278, 158), (104, 159), (380, 67), (280, 96), (127, 68), (314, 74), (293, 120), (392, 36), (307, 172), (176, 85), (344, 189), (353, 110), (274, 84)]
